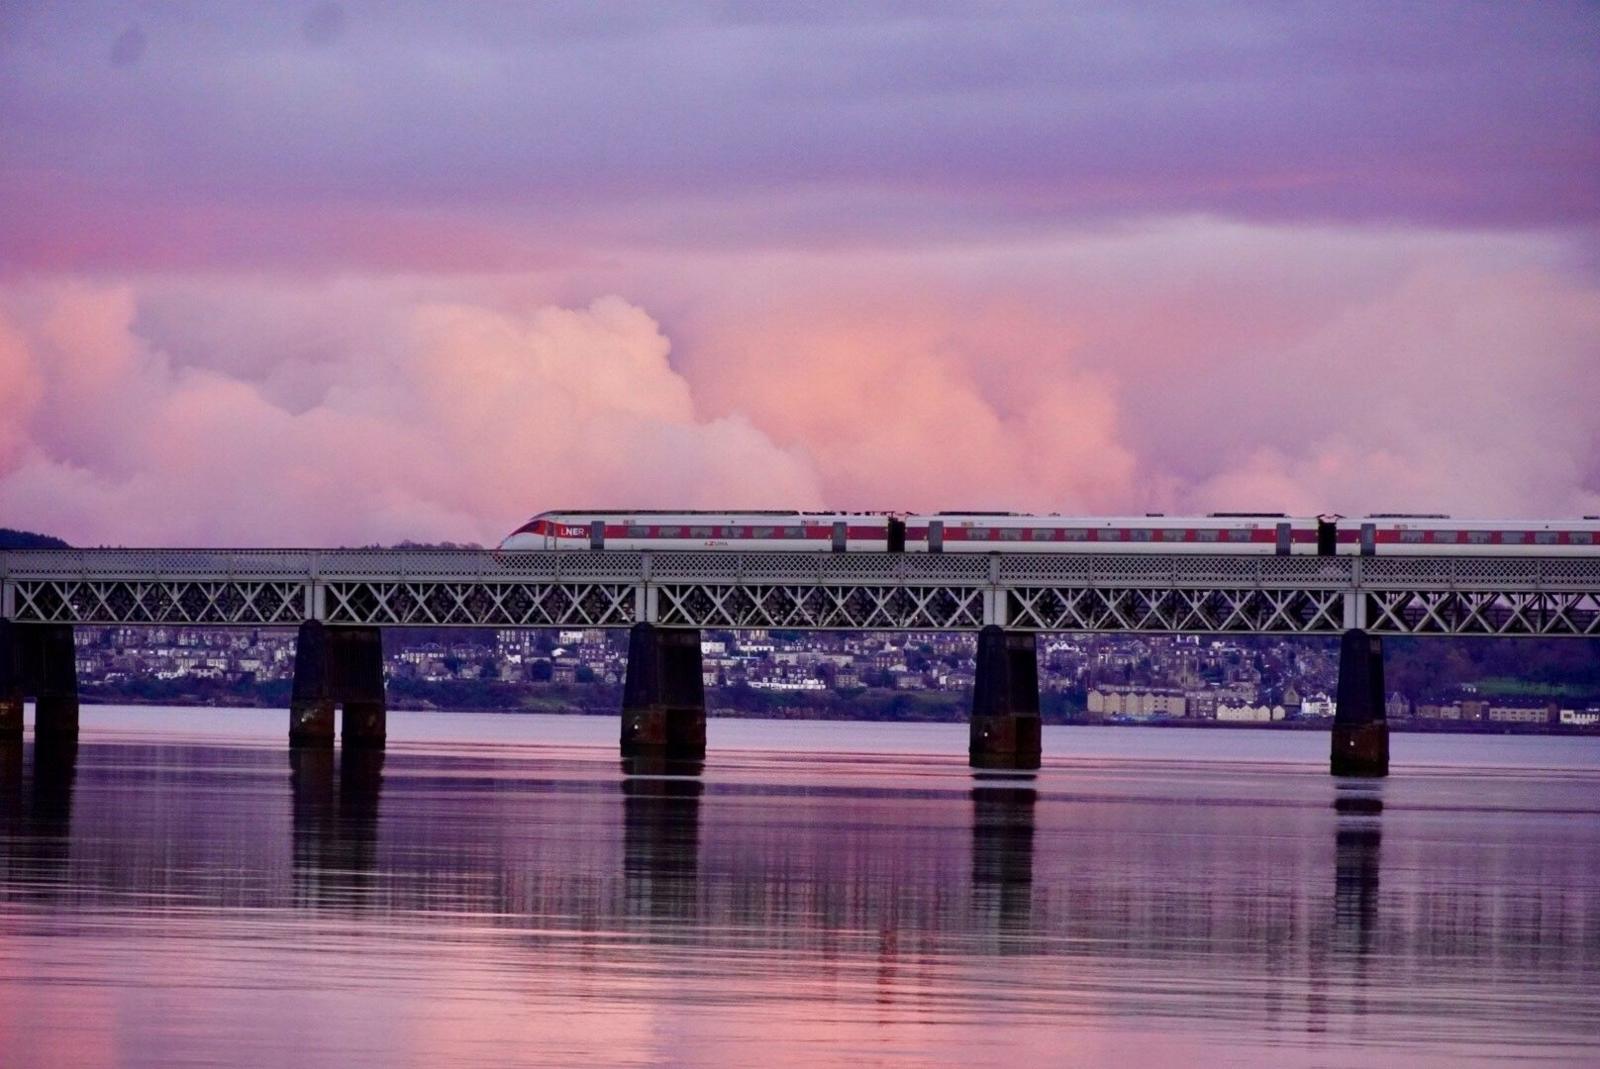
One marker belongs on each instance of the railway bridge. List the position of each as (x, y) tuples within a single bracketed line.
[(340, 599)]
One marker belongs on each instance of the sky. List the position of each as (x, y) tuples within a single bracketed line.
[(344, 273)]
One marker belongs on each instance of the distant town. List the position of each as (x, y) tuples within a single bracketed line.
[(1241, 680)]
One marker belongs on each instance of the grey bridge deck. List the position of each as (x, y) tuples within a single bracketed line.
[(1188, 593)]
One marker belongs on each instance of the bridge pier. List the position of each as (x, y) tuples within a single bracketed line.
[(359, 655), (10, 683), (1005, 702), (334, 665), (1360, 726), (663, 696), (38, 659)]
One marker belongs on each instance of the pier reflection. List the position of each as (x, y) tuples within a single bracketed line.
[(335, 823), (661, 845), (1002, 851), (1357, 846), (36, 786)]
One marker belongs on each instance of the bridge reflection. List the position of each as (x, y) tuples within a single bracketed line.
[(890, 877)]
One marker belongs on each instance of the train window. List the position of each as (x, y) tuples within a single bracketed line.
[(1011, 534), (1511, 538), (1141, 535), (1545, 538), (1044, 534), (669, 532), (1410, 536), (764, 532), (794, 532), (1107, 534), (699, 532), (1075, 534), (1207, 535), (1172, 534), (638, 532), (1448, 538), (1238, 534), (1479, 538), (1581, 538), (732, 532), (978, 534)]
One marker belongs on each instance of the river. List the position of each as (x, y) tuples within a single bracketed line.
[(179, 889)]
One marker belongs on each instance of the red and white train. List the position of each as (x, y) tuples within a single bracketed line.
[(986, 532)]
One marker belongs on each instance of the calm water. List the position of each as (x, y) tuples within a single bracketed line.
[(493, 891)]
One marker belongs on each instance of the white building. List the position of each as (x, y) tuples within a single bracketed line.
[(1317, 707)]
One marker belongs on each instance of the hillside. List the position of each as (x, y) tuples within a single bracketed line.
[(10, 539)]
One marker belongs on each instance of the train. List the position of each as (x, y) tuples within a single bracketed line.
[(988, 532)]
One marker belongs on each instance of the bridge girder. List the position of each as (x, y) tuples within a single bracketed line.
[(1142, 593)]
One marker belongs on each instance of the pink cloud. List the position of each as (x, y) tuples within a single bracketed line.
[(471, 420), (1192, 366)]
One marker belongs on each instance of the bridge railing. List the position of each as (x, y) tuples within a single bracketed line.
[(1034, 591)]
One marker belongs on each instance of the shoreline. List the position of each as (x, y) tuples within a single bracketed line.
[(1409, 726)]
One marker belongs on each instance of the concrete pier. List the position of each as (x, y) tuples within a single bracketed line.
[(1360, 727), (311, 703), (38, 659), (663, 697), (333, 666), (10, 684), (358, 660), (1005, 702), (55, 711)]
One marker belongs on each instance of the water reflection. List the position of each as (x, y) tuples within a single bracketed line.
[(37, 813), (1358, 840), (661, 846), (335, 823), (481, 888), (1002, 852), (11, 765)]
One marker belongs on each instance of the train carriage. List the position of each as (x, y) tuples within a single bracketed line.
[(816, 532), (1008, 532), (1415, 534), (990, 532)]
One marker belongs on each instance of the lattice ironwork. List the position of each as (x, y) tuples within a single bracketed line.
[(1458, 612), (158, 602), (474, 604), (1481, 573), (1160, 592), (858, 607), (1175, 610)]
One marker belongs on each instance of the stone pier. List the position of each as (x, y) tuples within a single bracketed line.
[(663, 697), (1005, 702), (1360, 728), (38, 660), (11, 689), (337, 666)]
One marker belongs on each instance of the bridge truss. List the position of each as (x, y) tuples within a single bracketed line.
[(1152, 593)]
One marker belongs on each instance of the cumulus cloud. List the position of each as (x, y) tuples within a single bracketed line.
[(891, 402), (462, 423), (1196, 365)]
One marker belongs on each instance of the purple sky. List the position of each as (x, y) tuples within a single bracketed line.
[(349, 272)]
